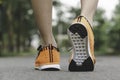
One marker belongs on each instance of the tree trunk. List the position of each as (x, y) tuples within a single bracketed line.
[(1, 43), (18, 42), (10, 29)]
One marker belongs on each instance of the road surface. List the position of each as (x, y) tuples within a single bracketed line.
[(21, 68)]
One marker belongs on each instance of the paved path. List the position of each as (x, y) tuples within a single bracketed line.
[(21, 68)]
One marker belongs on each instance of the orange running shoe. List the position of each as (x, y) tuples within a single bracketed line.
[(82, 38), (48, 59)]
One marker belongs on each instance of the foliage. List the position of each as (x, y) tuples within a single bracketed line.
[(17, 26), (114, 32), (107, 31)]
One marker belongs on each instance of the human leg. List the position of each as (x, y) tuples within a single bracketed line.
[(48, 56), (43, 14), (88, 8)]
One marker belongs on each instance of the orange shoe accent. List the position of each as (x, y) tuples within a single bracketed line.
[(82, 37), (86, 23), (48, 58)]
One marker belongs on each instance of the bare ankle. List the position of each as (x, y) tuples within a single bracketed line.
[(49, 40)]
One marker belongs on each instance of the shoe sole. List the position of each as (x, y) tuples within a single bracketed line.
[(81, 58), (53, 67)]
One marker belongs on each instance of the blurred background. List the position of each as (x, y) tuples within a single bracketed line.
[(19, 34)]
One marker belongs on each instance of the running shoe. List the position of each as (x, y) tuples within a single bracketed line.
[(48, 59), (82, 38)]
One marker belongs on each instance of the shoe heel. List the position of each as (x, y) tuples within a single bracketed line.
[(87, 65)]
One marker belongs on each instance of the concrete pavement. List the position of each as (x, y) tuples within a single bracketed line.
[(22, 68)]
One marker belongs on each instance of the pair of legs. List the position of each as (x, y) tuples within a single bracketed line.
[(43, 13)]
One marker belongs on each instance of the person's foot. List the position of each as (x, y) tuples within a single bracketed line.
[(48, 59), (82, 38)]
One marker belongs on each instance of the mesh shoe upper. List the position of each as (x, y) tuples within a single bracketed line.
[(47, 55)]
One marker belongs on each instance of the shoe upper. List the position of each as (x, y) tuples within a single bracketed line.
[(82, 20), (47, 55)]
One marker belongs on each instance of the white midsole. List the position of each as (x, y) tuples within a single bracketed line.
[(57, 66)]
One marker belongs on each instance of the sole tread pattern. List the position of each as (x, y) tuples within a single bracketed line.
[(81, 60)]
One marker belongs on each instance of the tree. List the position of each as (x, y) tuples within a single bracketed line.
[(114, 38), (17, 25), (100, 31)]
